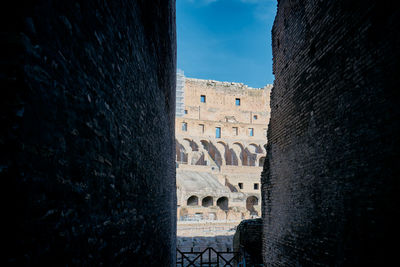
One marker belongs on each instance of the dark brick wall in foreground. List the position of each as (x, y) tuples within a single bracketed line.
[(330, 184), (248, 241), (87, 136)]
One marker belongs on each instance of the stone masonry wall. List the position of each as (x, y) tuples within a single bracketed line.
[(87, 136), (330, 182)]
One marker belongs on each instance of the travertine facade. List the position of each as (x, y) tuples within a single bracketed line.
[(220, 149)]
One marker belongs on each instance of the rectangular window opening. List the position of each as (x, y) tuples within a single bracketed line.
[(184, 126), (240, 185), (235, 131), (251, 131), (218, 132), (203, 99), (237, 101), (255, 186), (201, 127)]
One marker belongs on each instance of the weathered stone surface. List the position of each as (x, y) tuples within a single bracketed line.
[(223, 169), (330, 182), (87, 136)]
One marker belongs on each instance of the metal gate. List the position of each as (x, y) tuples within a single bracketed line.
[(208, 257)]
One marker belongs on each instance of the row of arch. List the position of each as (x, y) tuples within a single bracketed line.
[(220, 153), (222, 202)]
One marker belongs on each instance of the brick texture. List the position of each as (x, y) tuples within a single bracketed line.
[(87, 136), (248, 241), (330, 181)]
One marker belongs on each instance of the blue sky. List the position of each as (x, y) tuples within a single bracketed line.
[(226, 40)]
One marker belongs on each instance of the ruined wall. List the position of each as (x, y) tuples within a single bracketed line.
[(330, 182), (220, 102), (233, 158), (87, 136)]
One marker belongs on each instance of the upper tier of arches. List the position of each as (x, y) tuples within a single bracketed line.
[(219, 153)]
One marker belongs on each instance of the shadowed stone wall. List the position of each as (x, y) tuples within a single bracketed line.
[(330, 182), (248, 241), (87, 136)]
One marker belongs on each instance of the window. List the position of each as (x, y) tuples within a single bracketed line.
[(240, 185), (203, 99), (251, 131), (235, 131), (218, 132), (184, 126), (255, 117), (201, 127), (237, 101), (186, 112), (255, 186), (193, 201)]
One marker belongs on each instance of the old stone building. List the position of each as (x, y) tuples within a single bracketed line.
[(220, 136)]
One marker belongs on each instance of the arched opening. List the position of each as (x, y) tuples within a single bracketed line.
[(207, 201), (198, 159), (192, 144), (254, 148), (215, 154), (222, 148), (223, 203), (231, 158), (261, 161), (250, 203), (249, 157), (239, 154), (212, 152), (205, 154), (193, 201), (181, 155)]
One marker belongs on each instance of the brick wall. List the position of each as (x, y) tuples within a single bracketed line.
[(87, 136), (248, 241), (330, 179)]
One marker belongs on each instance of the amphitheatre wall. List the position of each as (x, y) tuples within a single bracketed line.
[(220, 137)]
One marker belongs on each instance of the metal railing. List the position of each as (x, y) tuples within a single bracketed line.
[(208, 257)]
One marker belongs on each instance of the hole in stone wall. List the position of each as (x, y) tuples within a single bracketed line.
[(223, 203), (250, 203), (193, 201), (207, 201)]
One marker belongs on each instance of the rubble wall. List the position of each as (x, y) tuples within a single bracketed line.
[(87, 136), (330, 181)]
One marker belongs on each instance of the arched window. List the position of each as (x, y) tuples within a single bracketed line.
[(239, 154), (223, 203), (193, 201), (207, 201), (181, 155)]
